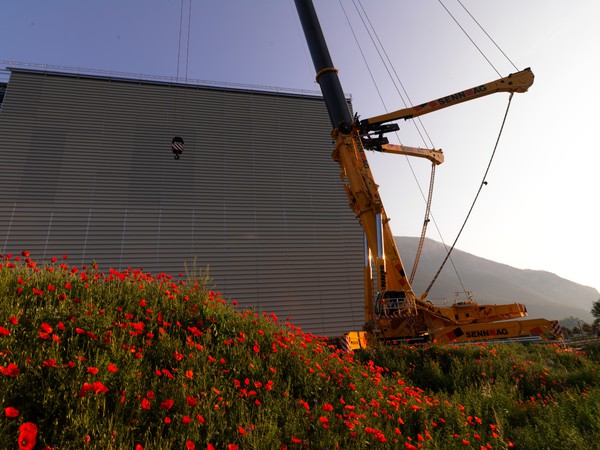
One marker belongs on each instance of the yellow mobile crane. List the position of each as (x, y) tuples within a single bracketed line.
[(392, 310)]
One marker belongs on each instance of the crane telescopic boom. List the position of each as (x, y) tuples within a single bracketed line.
[(516, 82)]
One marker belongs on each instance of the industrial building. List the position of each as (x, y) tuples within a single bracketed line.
[(254, 200)]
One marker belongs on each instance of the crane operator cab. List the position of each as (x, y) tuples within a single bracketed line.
[(390, 303)]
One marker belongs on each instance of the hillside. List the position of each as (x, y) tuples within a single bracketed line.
[(131, 360), (543, 293)]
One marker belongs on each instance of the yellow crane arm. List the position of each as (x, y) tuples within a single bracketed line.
[(435, 156), (515, 82)]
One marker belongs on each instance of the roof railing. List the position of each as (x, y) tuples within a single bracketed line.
[(6, 66)]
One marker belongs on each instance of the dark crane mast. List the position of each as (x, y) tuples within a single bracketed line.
[(360, 186)]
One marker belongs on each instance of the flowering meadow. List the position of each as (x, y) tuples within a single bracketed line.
[(131, 360)]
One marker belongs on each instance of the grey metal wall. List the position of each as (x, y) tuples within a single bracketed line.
[(87, 170)]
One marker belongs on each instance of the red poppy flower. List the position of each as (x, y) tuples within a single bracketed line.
[(11, 412), (27, 436), (190, 445), (167, 404), (85, 389), (99, 388), (112, 368)]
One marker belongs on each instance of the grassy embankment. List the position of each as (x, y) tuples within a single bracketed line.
[(132, 360)]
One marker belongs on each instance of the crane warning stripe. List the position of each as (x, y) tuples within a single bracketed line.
[(556, 327)]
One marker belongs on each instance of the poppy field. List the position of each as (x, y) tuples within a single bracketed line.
[(132, 360)]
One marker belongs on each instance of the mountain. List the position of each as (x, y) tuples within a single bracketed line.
[(543, 293)]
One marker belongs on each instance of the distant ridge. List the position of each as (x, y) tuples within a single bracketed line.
[(543, 293)]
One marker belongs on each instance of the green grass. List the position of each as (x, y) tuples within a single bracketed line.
[(132, 360)]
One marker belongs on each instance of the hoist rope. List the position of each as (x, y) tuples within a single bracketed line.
[(371, 31), (483, 183), (187, 57), (178, 62), (175, 121), (424, 229), (387, 62), (486, 33), (363, 56), (179, 42), (469, 37)]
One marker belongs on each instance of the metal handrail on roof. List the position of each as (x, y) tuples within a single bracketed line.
[(143, 78)]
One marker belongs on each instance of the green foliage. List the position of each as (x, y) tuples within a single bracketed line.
[(596, 311), (132, 360)]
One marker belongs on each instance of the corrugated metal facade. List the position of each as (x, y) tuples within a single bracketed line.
[(87, 170)]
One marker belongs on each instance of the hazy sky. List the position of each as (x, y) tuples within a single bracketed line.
[(539, 209)]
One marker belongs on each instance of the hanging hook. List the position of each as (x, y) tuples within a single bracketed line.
[(177, 146)]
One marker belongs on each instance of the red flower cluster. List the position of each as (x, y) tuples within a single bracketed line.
[(27, 436), (96, 387), (372, 406), (11, 370)]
